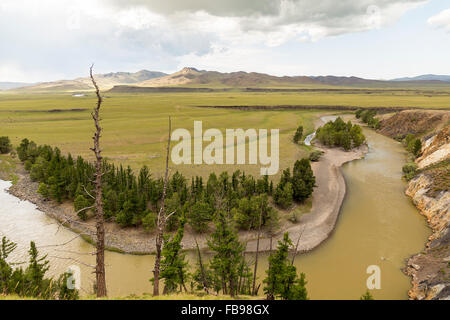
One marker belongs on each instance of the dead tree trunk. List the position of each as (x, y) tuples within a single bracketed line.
[(256, 255), (100, 223), (161, 222), (296, 246), (205, 283)]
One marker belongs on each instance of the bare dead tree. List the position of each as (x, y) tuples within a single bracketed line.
[(202, 269), (161, 222), (256, 255), (98, 206), (296, 246)]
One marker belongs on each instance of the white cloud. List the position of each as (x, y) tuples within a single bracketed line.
[(55, 36), (441, 20), (243, 59), (279, 21)]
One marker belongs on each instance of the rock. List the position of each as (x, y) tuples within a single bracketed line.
[(427, 270), (415, 266)]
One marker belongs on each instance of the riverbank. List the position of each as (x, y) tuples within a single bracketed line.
[(316, 226), (429, 191), (313, 227)]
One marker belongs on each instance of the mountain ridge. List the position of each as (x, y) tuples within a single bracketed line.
[(193, 77), (425, 77)]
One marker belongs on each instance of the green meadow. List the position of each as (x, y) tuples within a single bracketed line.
[(136, 125)]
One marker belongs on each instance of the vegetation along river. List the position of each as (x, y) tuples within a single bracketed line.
[(378, 225)]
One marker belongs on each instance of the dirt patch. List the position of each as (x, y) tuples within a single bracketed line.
[(413, 122)]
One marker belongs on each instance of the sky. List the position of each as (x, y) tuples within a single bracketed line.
[(377, 39)]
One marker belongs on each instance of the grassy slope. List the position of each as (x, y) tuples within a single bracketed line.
[(135, 127)]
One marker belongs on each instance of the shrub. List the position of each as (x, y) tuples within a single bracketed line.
[(149, 221), (409, 170), (298, 134), (43, 190), (368, 116), (315, 155), (284, 195), (5, 145), (80, 203)]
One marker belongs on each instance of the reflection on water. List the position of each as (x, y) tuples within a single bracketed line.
[(378, 225)]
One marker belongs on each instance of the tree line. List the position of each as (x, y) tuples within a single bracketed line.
[(368, 116), (133, 200)]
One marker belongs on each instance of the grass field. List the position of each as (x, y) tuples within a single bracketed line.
[(135, 125)]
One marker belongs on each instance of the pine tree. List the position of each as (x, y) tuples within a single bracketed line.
[(5, 145), (5, 269), (298, 134), (303, 180), (173, 262), (282, 280), (227, 248)]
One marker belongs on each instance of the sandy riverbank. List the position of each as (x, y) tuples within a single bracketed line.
[(314, 227), (317, 225)]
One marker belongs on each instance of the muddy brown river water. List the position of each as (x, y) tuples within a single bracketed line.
[(378, 225)]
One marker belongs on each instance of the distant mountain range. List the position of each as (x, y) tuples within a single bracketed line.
[(13, 85), (425, 77), (192, 77)]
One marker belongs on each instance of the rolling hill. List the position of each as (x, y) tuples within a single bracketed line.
[(105, 81), (192, 76)]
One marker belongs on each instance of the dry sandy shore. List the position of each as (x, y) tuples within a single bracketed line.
[(313, 227), (316, 226)]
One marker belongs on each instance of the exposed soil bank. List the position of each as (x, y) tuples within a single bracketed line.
[(429, 191), (313, 227)]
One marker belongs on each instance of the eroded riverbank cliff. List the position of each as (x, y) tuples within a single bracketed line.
[(430, 193)]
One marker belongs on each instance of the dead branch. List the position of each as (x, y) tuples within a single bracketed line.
[(161, 221), (100, 223), (296, 246)]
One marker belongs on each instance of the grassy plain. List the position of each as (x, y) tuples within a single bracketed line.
[(135, 125)]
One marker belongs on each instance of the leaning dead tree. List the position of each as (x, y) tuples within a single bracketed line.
[(98, 205), (161, 222), (254, 289)]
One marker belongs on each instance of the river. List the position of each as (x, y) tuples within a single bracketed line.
[(378, 225)]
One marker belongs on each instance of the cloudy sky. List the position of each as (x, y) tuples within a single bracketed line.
[(380, 39)]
